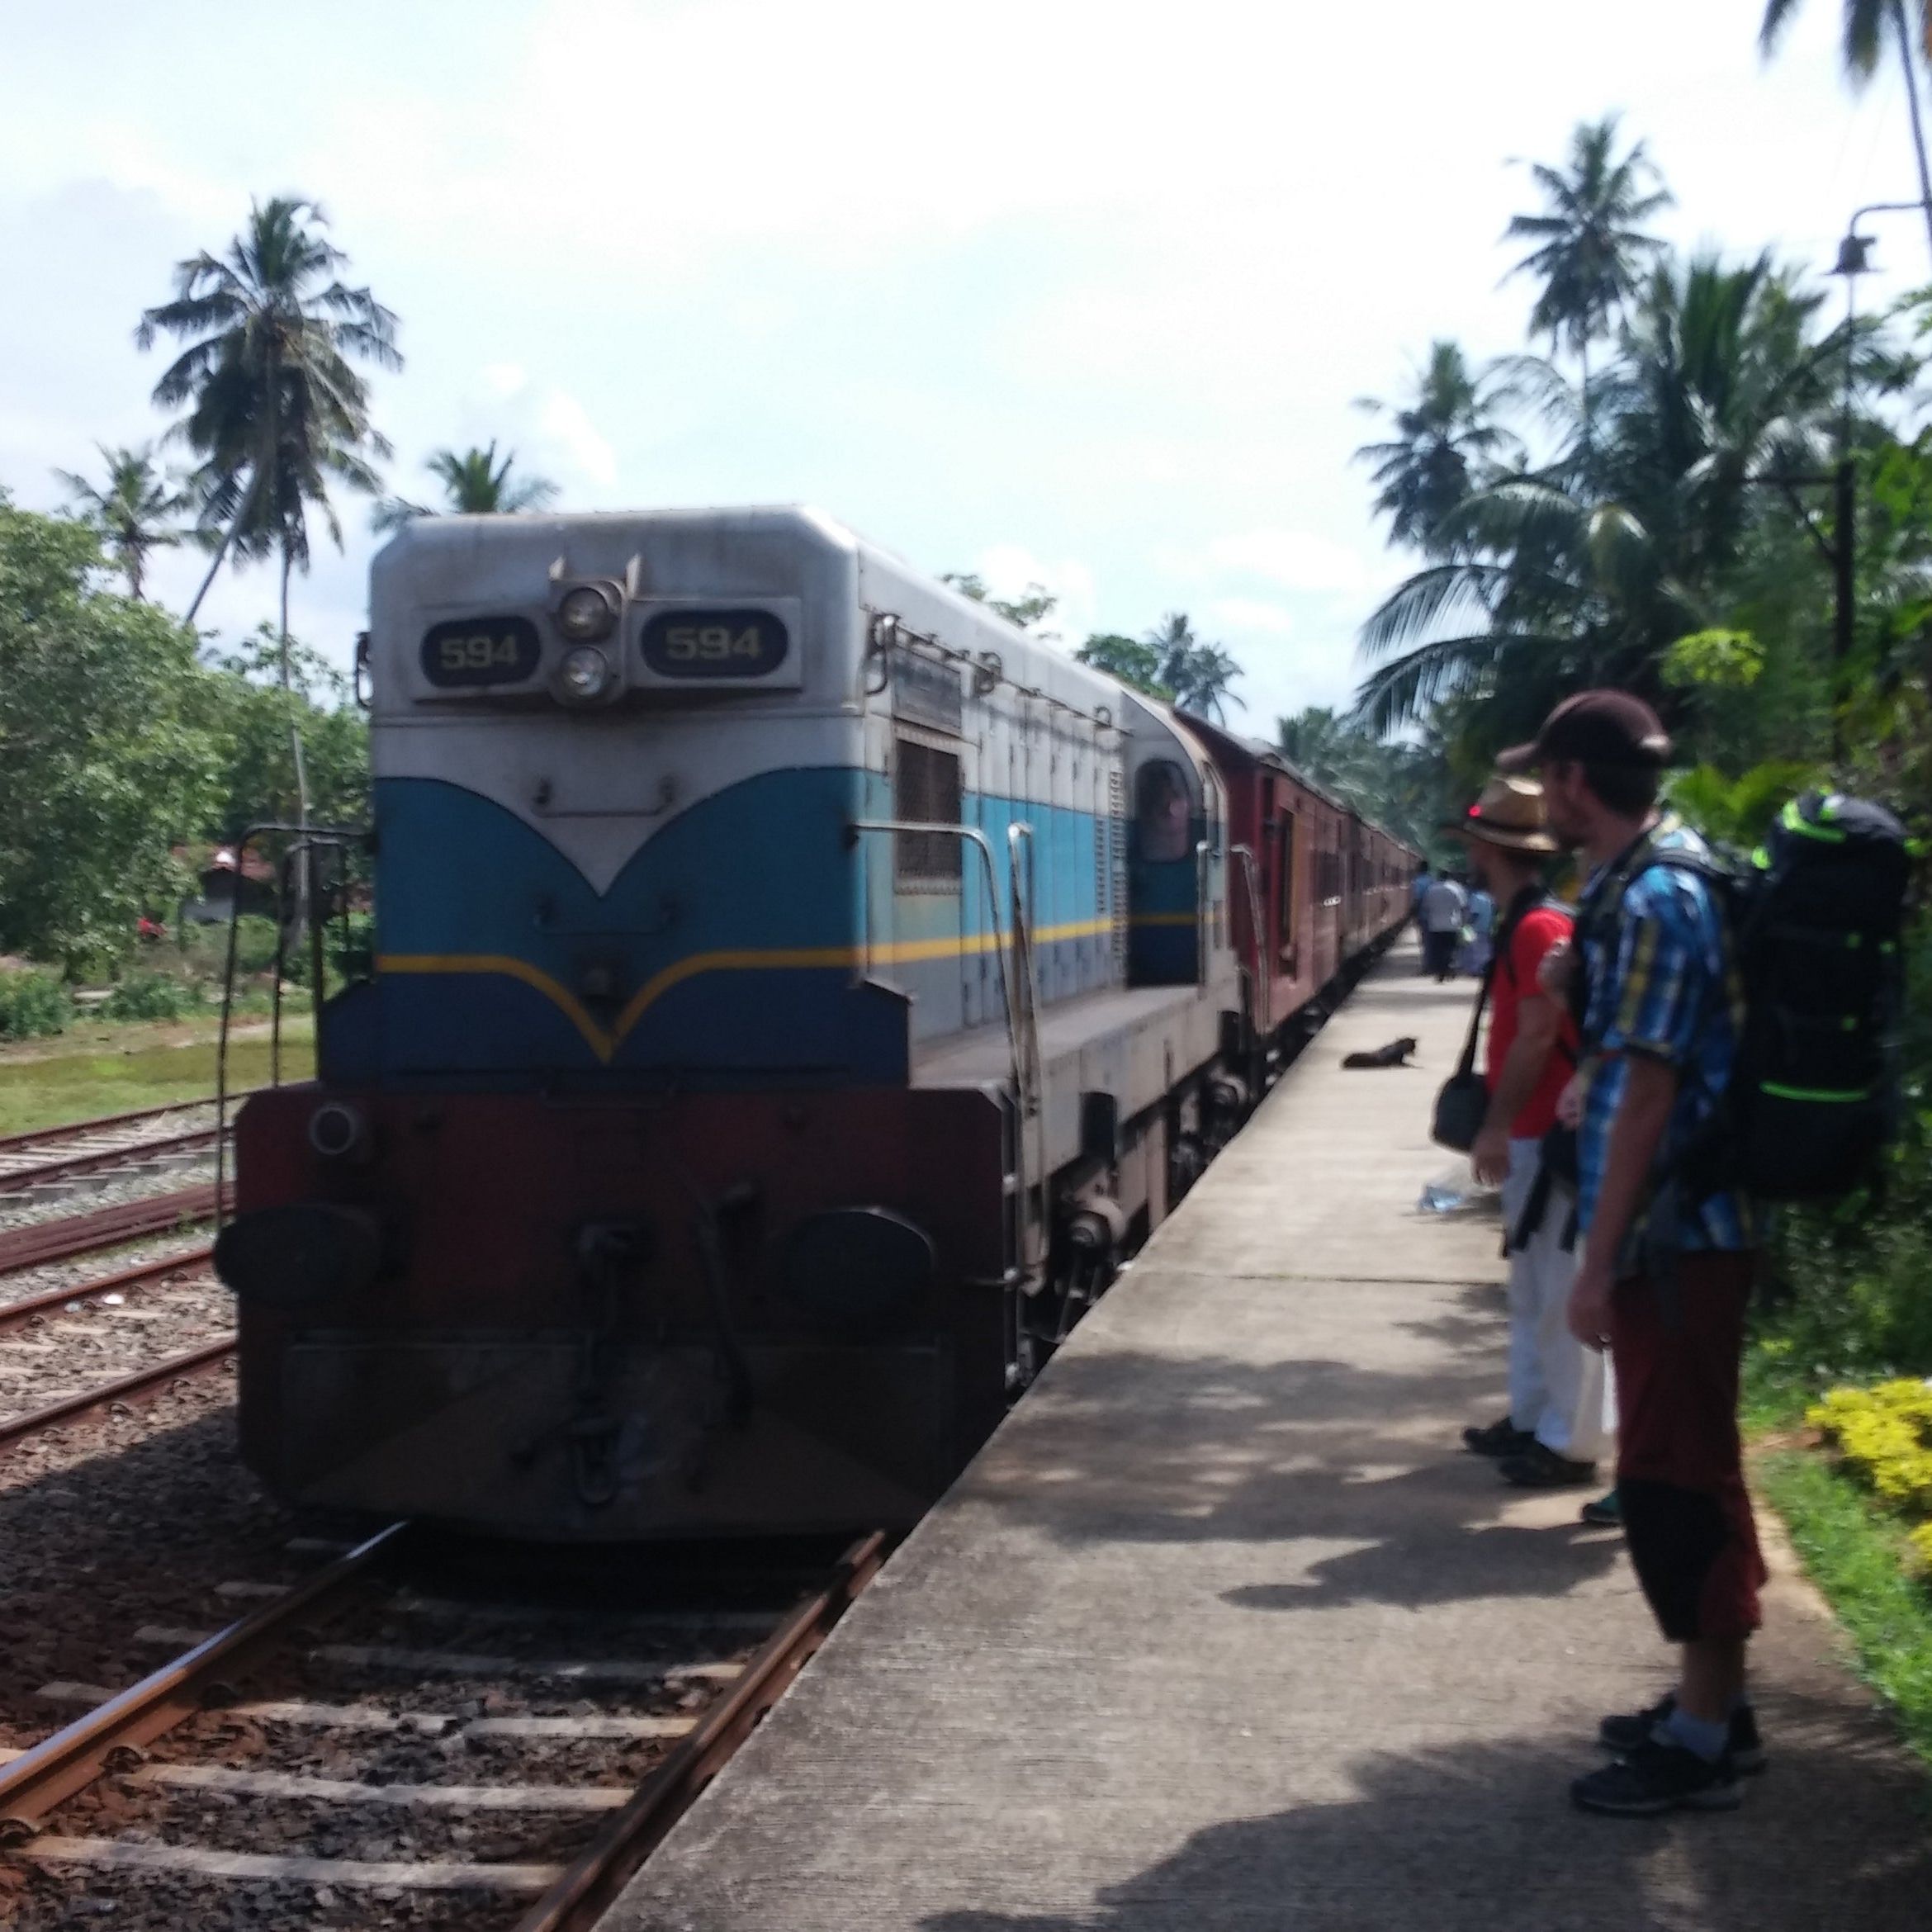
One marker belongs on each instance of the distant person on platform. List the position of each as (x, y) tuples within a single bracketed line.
[(1479, 929), (1554, 1430), (1440, 913), (1665, 1277)]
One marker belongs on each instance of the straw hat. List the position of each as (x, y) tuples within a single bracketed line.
[(1509, 813)]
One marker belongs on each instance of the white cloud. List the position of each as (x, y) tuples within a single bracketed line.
[(1009, 570), (1250, 613), (566, 423), (505, 379), (1299, 559)]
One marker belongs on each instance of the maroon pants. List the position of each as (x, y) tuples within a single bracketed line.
[(1687, 1515)]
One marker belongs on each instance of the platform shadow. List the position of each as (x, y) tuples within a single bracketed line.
[(1216, 1452), (1481, 1838)]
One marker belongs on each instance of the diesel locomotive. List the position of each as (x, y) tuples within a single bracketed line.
[(795, 991)]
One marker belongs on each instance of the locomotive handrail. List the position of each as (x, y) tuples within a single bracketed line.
[(307, 838), (1200, 855), (1018, 834), (1264, 979)]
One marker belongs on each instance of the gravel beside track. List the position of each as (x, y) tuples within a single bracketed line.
[(57, 1354)]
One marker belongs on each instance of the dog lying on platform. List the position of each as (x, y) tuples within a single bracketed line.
[(1396, 1053)]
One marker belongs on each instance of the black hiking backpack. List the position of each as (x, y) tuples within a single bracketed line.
[(1813, 925), (1817, 924)]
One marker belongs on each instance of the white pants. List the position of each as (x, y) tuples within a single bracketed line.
[(1558, 1389)]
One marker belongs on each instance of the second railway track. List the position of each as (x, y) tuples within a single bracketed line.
[(148, 1137)]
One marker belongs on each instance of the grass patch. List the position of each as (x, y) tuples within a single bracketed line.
[(115, 1071), (1857, 1554)]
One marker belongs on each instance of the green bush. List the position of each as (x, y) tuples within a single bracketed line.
[(254, 944), (151, 996), (32, 1006)]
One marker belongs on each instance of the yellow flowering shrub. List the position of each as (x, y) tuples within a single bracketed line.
[(1885, 1433)]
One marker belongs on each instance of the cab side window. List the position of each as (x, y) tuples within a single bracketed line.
[(1163, 816)]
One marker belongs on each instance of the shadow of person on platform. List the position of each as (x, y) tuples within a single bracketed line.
[(1423, 1516), (1481, 1837), (1444, 1563), (1478, 1327)]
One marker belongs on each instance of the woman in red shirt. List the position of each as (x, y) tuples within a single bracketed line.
[(1555, 1429)]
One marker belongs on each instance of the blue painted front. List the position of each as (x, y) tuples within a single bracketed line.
[(765, 865)]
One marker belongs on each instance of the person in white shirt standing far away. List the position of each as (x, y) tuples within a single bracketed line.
[(1444, 907)]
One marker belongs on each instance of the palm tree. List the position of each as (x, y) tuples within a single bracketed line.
[(134, 512), (275, 411), (1329, 749), (474, 483), (1447, 441), (1865, 23), (1206, 683), (1588, 571), (1590, 252), (1173, 642)]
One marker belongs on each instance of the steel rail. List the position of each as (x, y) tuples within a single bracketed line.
[(128, 1154), (73, 1130), (594, 1878), (124, 1388), (16, 1315), (76, 1234), (59, 1766)]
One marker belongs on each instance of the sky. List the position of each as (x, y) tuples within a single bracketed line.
[(1079, 292)]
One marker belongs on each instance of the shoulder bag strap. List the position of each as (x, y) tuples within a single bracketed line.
[(1466, 1065)]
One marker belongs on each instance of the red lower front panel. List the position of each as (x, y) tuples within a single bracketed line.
[(709, 1314)]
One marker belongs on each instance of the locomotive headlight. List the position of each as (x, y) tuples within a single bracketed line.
[(585, 674), (585, 614)]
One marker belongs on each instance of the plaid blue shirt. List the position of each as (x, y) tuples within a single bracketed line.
[(1664, 987)]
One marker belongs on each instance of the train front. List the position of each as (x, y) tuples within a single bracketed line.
[(611, 1213)]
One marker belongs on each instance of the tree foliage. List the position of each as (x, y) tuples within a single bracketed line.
[(1590, 247), (276, 410), (88, 812), (135, 510), (475, 483), (1133, 660)]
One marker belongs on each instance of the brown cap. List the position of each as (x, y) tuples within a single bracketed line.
[(1595, 727), (1510, 814)]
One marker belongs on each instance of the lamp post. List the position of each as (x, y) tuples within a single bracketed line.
[(1854, 253)]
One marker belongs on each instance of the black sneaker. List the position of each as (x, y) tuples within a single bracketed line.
[(1603, 1512), (1745, 1747), (1499, 1438), (1657, 1778), (1540, 1467)]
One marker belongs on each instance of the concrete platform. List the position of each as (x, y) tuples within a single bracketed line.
[(1222, 1630)]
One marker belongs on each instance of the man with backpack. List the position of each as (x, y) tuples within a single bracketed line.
[(1665, 1277), (1554, 1432)]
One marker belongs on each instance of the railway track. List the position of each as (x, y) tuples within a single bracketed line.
[(39, 1243), (86, 1347), (508, 1785), (175, 1132)]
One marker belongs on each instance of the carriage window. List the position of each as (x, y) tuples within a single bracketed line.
[(1162, 817), (1285, 883), (925, 787)]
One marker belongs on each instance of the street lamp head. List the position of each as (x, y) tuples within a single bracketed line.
[(1854, 255)]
